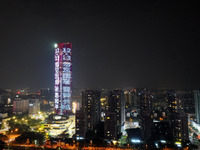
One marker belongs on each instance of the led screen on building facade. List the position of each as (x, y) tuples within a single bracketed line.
[(63, 77)]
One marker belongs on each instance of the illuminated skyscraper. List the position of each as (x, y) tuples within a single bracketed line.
[(197, 105), (63, 77)]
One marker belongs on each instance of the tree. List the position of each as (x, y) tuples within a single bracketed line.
[(18, 128), (31, 136), (2, 144), (33, 122), (3, 137)]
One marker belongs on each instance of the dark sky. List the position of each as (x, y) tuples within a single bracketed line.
[(151, 44)]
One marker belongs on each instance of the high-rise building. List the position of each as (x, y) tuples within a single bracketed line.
[(145, 97), (131, 100), (63, 77), (91, 108), (178, 120), (197, 105), (110, 125), (47, 94), (127, 99), (161, 131), (80, 125), (20, 106), (134, 99), (179, 126), (187, 101), (5, 97), (116, 104), (88, 118), (173, 102), (34, 106)]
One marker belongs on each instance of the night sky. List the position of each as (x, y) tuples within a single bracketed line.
[(152, 44)]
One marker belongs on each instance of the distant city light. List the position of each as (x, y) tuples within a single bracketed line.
[(162, 141), (135, 141), (16, 129), (9, 100), (57, 117), (79, 138), (114, 142), (178, 144), (74, 107), (55, 45), (156, 144)]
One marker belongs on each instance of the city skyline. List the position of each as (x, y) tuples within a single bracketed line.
[(115, 45)]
